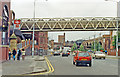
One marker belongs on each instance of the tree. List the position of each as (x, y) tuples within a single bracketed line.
[(74, 47), (82, 48), (114, 40), (97, 44)]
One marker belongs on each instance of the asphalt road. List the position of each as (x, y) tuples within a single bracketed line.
[(64, 66)]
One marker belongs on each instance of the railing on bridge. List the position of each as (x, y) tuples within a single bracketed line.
[(70, 24), (24, 44)]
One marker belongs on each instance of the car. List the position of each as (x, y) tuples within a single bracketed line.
[(82, 58), (68, 53), (90, 51), (56, 53), (98, 54), (65, 54)]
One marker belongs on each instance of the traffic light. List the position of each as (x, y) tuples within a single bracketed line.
[(4, 28)]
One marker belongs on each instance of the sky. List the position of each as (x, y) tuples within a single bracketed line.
[(66, 8)]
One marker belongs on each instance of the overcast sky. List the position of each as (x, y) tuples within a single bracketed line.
[(65, 8)]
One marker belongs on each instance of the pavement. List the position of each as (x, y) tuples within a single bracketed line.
[(112, 57), (28, 66)]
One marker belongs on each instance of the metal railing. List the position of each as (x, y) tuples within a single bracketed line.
[(70, 24), (20, 45)]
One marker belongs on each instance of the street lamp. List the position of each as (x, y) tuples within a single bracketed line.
[(117, 38), (34, 29), (117, 1), (99, 41), (94, 43)]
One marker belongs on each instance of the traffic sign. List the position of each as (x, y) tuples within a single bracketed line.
[(17, 22)]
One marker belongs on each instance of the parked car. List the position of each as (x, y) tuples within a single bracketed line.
[(56, 53), (65, 54), (98, 54), (82, 58)]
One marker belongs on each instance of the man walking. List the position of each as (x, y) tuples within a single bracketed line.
[(18, 54), (106, 51), (14, 53)]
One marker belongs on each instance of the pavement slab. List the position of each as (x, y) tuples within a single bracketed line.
[(29, 65)]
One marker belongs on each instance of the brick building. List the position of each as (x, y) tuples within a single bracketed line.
[(5, 15), (105, 41), (51, 42), (43, 41), (61, 39)]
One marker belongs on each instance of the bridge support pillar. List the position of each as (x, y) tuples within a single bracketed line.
[(43, 41)]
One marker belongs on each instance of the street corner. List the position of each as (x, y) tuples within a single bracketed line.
[(41, 67), (38, 70)]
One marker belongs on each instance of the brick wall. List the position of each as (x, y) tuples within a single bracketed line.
[(3, 53), (111, 52), (43, 40), (119, 52)]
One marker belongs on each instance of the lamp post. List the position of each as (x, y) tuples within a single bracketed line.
[(117, 38), (116, 24), (33, 30), (94, 43), (99, 41)]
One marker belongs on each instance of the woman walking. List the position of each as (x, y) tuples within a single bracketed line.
[(18, 54), (14, 53), (23, 54)]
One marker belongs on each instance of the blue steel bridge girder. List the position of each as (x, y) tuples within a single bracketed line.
[(70, 24)]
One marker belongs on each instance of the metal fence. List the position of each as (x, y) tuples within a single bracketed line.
[(20, 45)]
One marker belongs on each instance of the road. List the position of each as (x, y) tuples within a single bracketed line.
[(64, 66)]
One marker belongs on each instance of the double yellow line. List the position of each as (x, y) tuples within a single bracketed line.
[(51, 69)]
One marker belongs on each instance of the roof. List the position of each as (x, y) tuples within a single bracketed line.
[(13, 36)]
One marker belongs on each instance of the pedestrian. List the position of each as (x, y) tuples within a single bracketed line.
[(23, 54), (106, 51), (9, 54), (18, 54), (14, 53)]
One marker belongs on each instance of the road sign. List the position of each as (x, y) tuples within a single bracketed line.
[(17, 24)]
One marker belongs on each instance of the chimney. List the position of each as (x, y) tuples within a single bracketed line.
[(111, 33), (64, 40)]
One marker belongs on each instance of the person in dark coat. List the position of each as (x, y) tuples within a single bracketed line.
[(14, 53), (18, 54)]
